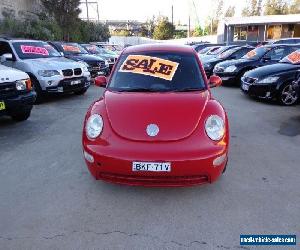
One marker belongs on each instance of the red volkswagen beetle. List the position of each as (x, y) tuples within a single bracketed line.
[(157, 123)]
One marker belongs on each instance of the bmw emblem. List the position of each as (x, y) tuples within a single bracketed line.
[(152, 130)]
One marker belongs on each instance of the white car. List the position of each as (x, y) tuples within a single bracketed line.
[(48, 70), (16, 94)]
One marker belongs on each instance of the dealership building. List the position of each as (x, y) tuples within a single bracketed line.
[(258, 28)]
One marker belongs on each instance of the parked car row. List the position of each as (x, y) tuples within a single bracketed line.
[(265, 72), (30, 69)]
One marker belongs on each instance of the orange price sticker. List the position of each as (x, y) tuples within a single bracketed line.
[(70, 48), (294, 57), (150, 66), (251, 53)]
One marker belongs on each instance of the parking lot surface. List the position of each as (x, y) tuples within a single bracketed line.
[(50, 201)]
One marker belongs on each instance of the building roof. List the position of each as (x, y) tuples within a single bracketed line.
[(272, 19)]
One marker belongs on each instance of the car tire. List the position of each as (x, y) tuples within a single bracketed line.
[(287, 95), (224, 170), (38, 90), (80, 92), (21, 115)]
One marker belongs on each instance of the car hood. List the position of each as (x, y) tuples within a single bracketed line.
[(272, 69), (85, 58), (236, 62), (213, 60), (176, 114), (11, 75), (54, 63)]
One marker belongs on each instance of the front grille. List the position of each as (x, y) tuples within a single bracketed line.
[(77, 72), (67, 72), (249, 80), (7, 89)]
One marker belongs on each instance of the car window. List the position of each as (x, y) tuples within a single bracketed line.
[(256, 53), (277, 53), (34, 50), (158, 72), (240, 53), (71, 48)]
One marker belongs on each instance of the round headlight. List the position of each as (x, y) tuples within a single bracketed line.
[(94, 126), (215, 128)]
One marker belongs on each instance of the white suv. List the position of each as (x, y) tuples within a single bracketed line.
[(48, 70)]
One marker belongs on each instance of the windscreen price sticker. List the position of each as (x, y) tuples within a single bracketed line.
[(294, 57), (26, 49), (251, 54), (70, 48), (150, 66)]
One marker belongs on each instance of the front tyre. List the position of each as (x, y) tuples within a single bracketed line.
[(288, 95), (21, 115), (38, 90)]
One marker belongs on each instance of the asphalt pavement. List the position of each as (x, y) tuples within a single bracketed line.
[(48, 200)]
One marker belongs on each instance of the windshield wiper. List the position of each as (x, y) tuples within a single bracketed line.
[(188, 89), (137, 90)]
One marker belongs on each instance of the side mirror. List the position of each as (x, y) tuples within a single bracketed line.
[(101, 81), (6, 57), (214, 81)]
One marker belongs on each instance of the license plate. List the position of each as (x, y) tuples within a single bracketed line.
[(224, 78), (75, 82), (245, 86), (2, 105), (151, 166), (96, 68)]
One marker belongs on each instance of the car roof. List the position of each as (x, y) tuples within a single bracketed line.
[(159, 47), (21, 40)]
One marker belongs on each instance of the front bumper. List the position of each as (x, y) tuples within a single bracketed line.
[(266, 91), (17, 103), (187, 168), (67, 86)]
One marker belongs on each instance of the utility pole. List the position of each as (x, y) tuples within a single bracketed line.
[(172, 15), (87, 3), (189, 31), (87, 10)]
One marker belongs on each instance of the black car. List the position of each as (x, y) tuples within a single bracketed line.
[(96, 65), (215, 53), (233, 53), (287, 41), (232, 71), (274, 81), (106, 54)]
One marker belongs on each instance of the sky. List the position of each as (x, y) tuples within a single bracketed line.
[(142, 10)]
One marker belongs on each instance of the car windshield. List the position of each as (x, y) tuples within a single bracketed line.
[(293, 58), (257, 53), (72, 48), (203, 51), (93, 49), (157, 72), (34, 50), (228, 53)]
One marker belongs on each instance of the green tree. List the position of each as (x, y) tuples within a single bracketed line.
[(295, 7), (230, 11), (253, 8), (276, 7), (216, 15), (66, 14), (164, 30), (143, 31), (198, 31)]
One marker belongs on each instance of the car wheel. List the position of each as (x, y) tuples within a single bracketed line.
[(80, 92), (21, 116), (288, 95), (38, 90)]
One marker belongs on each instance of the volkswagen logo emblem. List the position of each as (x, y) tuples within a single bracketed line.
[(152, 130)]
